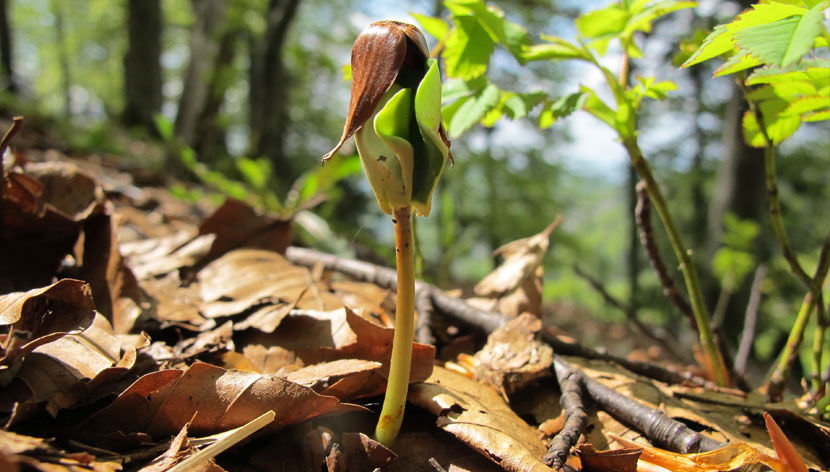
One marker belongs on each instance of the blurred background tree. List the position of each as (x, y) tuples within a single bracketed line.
[(261, 81)]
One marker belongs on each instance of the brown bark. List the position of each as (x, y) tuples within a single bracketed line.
[(142, 63), (6, 55), (203, 50)]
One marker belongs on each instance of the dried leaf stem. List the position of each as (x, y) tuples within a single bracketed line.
[(576, 418), (394, 403)]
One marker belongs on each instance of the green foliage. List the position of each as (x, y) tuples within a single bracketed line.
[(734, 261), (791, 89)]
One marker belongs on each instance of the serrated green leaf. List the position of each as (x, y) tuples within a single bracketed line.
[(815, 70), (805, 105), (490, 19), (778, 125), (472, 111), (437, 27), (556, 51), (642, 20), (456, 88), (595, 106), (467, 49), (817, 116), (737, 63), (781, 42), (604, 22), (516, 38), (562, 107), (718, 42), (722, 40)]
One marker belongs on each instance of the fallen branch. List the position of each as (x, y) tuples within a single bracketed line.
[(656, 426), (576, 419)]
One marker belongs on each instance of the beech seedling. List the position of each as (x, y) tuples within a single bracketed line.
[(395, 117)]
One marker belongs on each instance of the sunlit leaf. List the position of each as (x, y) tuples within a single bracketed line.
[(471, 111), (467, 49), (722, 40), (437, 27), (556, 50), (782, 42), (737, 63), (599, 23)]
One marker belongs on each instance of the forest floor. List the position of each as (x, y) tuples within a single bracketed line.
[(142, 332)]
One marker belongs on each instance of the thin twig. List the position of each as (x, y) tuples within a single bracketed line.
[(750, 320), (629, 313), (684, 259), (642, 214), (576, 419), (659, 428), (789, 354)]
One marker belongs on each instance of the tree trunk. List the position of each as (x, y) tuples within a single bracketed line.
[(203, 50), (142, 64), (6, 55), (268, 90), (209, 142), (63, 57)]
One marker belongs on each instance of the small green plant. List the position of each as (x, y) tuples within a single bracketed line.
[(772, 50), (467, 43), (395, 117)]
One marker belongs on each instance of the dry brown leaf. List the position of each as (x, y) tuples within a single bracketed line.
[(618, 460), (477, 415), (42, 213), (514, 356), (515, 286), (66, 370), (18, 452), (236, 224), (369, 297), (317, 336), (731, 457), (320, 374), (212, 398), (41, 316), (114, 287), (271, 359), (244, 278)]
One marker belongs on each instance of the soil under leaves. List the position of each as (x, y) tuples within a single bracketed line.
[(140, 332)]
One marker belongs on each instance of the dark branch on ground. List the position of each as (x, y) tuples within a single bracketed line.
[(576, 419), (656, 426)]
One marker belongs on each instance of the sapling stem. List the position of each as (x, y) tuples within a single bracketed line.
[(391, 414), (704, 329)]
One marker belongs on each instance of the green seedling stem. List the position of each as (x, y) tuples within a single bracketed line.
[(391, 415)]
